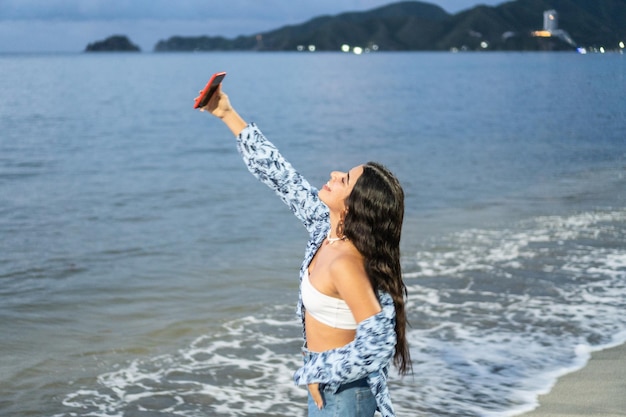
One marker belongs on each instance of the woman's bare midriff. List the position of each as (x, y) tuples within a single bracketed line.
[(321, 337)]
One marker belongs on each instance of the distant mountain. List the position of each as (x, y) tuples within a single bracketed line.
[(115, 43), (418, 26), (509, 25), (398, 26)]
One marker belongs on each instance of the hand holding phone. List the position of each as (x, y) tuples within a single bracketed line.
[(209, 90)]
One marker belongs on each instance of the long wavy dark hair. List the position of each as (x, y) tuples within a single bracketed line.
[(373, 223)]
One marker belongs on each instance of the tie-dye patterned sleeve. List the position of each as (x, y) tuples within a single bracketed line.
[(266, 163), (368, 355)]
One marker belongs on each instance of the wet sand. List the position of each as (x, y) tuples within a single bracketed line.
[(596, 390)]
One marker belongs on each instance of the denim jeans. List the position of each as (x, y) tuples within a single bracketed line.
[(353, 399)]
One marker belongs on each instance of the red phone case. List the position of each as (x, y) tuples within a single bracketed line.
[(208, 90)]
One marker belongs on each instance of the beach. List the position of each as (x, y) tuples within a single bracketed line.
[(596, 390), (145, 272)]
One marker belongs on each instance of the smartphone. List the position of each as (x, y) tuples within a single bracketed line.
[(209, 90)]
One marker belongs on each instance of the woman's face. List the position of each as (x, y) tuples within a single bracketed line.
[(339, 187)]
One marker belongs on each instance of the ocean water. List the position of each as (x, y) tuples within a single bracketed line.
[(144, 272)]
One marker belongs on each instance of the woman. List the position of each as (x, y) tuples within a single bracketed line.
[(351, 294)]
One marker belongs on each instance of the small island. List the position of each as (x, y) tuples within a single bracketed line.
[(115, 43)]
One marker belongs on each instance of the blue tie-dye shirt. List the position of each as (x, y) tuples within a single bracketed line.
[(370, 354)]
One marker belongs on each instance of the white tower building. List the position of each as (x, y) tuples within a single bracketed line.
[(550, 21)]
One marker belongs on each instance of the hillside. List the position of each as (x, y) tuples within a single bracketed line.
[(419, 26)]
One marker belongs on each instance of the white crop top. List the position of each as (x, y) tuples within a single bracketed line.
[(331, 311)]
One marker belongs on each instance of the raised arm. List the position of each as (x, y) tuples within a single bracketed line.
[(266, 163), (220, 107)]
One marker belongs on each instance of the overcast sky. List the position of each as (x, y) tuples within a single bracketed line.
[(69, 25)]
